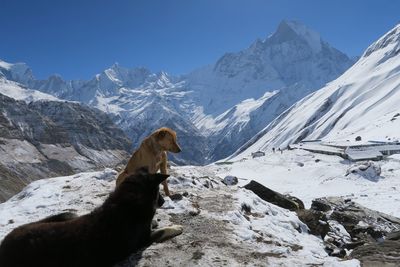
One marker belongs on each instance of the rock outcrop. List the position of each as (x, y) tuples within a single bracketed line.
[(348, 229), (286, 202), (373, 236)]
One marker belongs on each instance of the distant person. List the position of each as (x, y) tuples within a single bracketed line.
[(280, 150), (273, 149)]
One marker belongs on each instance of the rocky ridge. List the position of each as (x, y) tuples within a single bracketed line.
[(52, 138)]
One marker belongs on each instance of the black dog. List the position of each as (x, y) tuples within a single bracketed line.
[(109, 234)]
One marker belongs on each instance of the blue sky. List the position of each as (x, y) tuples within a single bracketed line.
[(79, 38)]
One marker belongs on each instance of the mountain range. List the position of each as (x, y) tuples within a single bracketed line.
[(214, 109)]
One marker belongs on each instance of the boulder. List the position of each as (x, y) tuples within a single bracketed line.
[(357, 219), (374, 236), (286, 202), (230, 180)]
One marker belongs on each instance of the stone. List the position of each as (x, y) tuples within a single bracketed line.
[(176, 197), (230, 180), (273, 197)]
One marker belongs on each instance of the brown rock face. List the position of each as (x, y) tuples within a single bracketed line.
[(48, 138)]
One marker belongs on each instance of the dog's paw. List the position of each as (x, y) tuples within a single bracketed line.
[(172, 231), (178, 229), (166, 233)]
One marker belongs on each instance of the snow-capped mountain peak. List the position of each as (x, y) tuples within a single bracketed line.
[(291, 30), (118, 76), (159, 80), (115, 73), (5, 65), (16, 72)]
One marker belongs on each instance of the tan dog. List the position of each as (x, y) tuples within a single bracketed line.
[(152, 154)]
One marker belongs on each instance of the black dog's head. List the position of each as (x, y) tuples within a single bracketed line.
[(142, 188)]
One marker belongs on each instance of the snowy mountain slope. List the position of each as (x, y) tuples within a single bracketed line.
[(248, 119), (217, 235), (362, 102), (19, 92), (210, 104)]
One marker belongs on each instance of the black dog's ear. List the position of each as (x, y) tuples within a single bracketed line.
[(159, 177), (160, 201)]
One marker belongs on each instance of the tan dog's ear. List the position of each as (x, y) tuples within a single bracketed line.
[(161, 134)]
